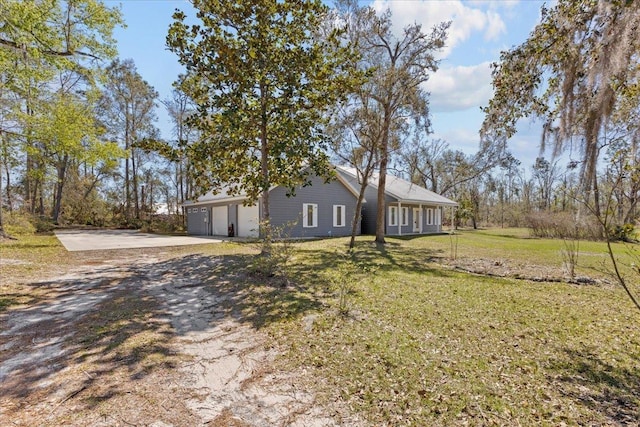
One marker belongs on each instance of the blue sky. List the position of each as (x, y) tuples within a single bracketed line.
[(479, 31)]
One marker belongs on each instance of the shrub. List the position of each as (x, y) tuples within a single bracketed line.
[(624, 233), (564, 225), (18, 224), (274, 256)]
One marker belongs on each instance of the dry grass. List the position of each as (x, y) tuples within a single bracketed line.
[(405, 342)]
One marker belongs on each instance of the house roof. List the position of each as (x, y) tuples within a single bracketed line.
[(224, 196), (404, 191)]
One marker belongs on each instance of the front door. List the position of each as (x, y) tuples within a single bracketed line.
[(416, 219)]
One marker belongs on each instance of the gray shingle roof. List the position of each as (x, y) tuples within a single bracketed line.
[(403, 190)]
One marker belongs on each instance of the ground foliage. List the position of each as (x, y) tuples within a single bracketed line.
[(406, 341)]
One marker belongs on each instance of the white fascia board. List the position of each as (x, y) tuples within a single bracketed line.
[(217, 201), (426, 202)]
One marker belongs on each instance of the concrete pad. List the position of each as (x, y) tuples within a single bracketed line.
[(93, 240)]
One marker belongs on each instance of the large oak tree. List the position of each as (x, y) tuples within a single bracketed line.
[(392, 103), (262, 78), (577, 71)]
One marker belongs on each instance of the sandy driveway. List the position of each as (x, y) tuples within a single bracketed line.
[(149, 340), (88, 240)]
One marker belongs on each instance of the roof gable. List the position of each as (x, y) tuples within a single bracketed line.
[(224, 196), (403, 190)]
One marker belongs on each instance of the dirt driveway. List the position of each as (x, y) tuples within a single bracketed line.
[(89, 240), (146, 338)]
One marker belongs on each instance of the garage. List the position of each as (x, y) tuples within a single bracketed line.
[(248, 221), (220, 220)]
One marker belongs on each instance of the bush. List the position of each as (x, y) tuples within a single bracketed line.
[(564, 225), (624, 233), (18, 224), (43, 224), (274, 256)]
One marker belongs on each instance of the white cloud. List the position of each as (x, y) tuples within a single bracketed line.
[(460, 88), (459, 138), (495, 26), (465, 20)]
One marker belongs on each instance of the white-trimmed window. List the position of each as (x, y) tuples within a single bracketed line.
[(203, 210), (429, 216), (404, 216), (393, 215), (439, 216), (309, 215), (338, 215)]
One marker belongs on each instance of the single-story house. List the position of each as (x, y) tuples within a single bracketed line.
[(321, 209), (318, 210), (411, 209)]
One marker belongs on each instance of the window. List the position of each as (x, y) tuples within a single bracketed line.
[(429, 216), (203, 209), (439, 216), (404, 216), (188, 210), (338, 215), (393, 215), (309, 215)]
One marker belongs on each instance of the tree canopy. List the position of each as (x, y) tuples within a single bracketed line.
[(392, 102), (262, 79), (577, 71)]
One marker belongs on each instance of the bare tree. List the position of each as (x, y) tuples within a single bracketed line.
[(398, 66)]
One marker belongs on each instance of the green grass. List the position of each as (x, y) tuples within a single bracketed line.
[(421, 344), (429, 346)]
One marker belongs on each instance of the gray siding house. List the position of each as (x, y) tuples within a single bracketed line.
[(323, 209), (410, 208), (317, 210)]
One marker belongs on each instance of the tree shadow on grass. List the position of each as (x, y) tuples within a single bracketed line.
[(610, 390), (371, 256), (96, 334)]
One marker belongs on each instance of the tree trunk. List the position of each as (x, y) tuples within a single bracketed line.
[(1, 219), (4, 161), (134, 181), (596, 196), (62, 169), (127, 177), (382, 179), (265, 225), (357, 215)]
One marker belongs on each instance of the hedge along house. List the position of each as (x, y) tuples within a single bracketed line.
[(410, 208), (317, 210)]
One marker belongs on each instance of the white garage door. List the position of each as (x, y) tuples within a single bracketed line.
[(220, 221), (248, 221)]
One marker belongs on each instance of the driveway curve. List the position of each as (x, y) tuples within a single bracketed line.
[(91, 240)]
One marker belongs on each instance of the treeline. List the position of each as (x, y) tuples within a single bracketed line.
[(79, 142), (546, 195), (74, 120)]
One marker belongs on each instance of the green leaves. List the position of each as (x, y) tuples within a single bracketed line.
[(571, 72), (263, 81)]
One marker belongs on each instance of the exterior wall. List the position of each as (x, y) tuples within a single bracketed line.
[(369, 212), (232, 217), (434, 227), (285, 209), (369, 209), (198, 222)]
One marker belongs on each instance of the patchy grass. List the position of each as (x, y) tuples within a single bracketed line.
[(428, 346), (36, 256), (29, 255), (516, 246), (391, 334)]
